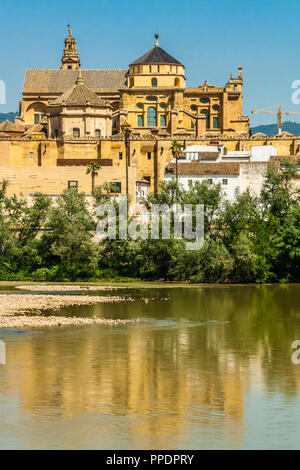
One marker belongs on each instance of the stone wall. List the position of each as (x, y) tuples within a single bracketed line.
[(252, 177), (26, 181), (149, 155)]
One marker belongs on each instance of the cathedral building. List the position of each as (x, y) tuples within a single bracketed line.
[(150, 96), (70, 117)]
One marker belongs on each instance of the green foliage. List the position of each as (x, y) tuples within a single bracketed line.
[(92, 169), (249, 240)]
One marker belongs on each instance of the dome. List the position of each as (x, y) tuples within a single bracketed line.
[(79, 95), (156, 55)]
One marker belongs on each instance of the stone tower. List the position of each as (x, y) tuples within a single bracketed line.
[(70, 59)]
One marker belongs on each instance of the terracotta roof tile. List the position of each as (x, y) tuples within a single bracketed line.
[(8, 126), (191, 168), (59, 81), (78, 95)]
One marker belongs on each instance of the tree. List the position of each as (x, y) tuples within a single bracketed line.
[(127, 133), (92, 170), (67, 244), (279, 194), (176, 149)]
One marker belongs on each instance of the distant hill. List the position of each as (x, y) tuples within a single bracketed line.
[(271, 129), (9, 116)]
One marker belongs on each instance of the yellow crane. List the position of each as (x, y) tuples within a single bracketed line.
[(279, 115)]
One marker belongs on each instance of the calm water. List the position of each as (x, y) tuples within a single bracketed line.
[(208, 368)]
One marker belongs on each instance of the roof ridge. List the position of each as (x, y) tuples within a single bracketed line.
[(74, 70), (156, 55), (50, 79), (82, 95)]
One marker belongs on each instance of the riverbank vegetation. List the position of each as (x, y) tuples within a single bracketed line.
[(253, 239)]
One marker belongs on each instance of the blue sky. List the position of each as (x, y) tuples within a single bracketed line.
[(210, 38)]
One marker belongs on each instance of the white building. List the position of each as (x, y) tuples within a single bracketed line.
[(234, 171), (218, 153), (141, 188), (225, 174)]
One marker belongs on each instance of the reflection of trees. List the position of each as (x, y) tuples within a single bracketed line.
[(157, 375)]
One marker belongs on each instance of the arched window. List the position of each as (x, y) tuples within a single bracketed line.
[(35, 112), (177, 82), (206, 113), (151, 117), (97, 133), (76, 133), (154, 82)]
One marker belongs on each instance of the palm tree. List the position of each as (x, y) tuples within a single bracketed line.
[(176, 149), (92, 170), (127, 133)]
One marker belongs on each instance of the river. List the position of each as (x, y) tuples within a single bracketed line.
[(209, 367)]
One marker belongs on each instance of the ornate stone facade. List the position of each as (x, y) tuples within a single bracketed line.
[(79, 112), (70, 59), (151, 96)]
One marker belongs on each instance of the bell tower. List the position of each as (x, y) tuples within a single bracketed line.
[(70, 58)]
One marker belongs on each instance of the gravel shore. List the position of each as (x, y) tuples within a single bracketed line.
[(62, 288), (15, 308)]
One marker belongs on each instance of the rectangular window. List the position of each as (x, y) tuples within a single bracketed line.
[(163, 121), (120, 155), (149, 155), (210, 181), (225, 181), (190, 183), (115, 187), (73, 185), (192, 125), (36, 118), (140, 121), (31, 155), (76, 133), (215, 122)]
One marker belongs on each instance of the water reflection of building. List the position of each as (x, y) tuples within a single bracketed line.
[(159, 384), (158, 381)]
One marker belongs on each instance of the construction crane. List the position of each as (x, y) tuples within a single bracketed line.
[(279, 115)]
